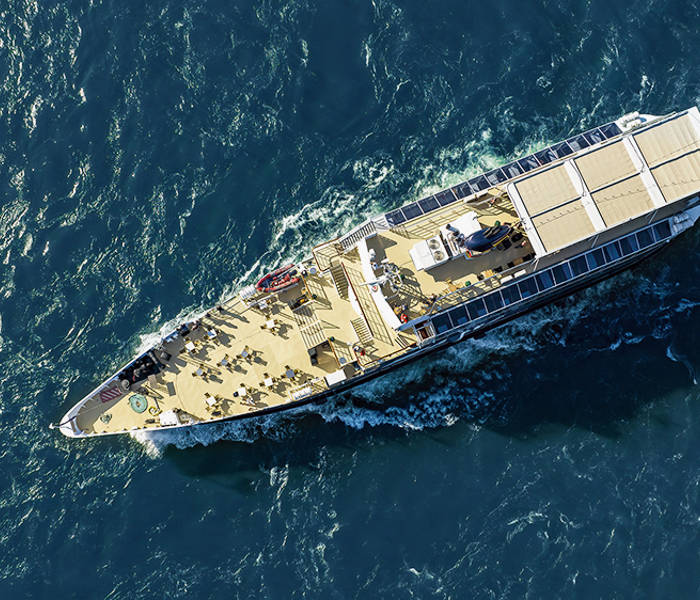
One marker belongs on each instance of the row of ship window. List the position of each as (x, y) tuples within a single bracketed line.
[(548, 278), (501, 174)]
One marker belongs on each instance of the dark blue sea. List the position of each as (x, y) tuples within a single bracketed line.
[(154, 156)]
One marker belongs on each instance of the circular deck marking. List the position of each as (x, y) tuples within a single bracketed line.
[(138, 403)]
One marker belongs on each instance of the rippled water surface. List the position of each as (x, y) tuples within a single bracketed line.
[(156, 155)]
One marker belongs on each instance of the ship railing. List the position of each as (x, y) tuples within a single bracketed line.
[(384, 358), (308, 388), (323, 253), (471, 291), (363, 230), (475, 290), (357, 300)]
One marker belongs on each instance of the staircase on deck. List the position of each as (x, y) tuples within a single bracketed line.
[(340, 279), (361, 330)]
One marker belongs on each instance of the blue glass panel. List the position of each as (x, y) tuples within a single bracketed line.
[(610, 130), (545, 156), (645, 238), (445, 197), (528, 287), (594, 136), (595, 259), (561, 273), (495, 177), (459, 316), (629, 244), (662, 230), (561, 149), (528, 163), (579, 266), (512, 170), (578, 143), (544, 280), (612, 251), (476, 308), (428, 204), (493, 301), (510, 294), (462, 190), (479, 183), (395, 217), (412, 211), (442, 323)]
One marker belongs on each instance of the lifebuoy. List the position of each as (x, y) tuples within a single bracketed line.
[(403, 318), (155, 411)]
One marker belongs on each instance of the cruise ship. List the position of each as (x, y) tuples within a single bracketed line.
[(435, 272)]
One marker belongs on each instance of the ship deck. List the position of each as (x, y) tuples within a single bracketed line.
[(189, 375), (339, 316), (456, 274)]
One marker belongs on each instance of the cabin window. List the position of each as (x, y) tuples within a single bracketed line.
[(442, 323), (510, 294), (395, 217), (445, 197), (544, 280), (629, 244), (578, 143), (476, 308), (645, 238), (493, 301), (595, 259), (662, 230), (579, 266), (412, 211), (458, 316), (428, 204), (612, 251), (528, 287), (561, 273)]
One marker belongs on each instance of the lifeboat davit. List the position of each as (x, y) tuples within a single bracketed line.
[(278, 280)]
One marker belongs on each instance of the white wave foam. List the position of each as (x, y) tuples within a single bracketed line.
[(274, 426), (675, 357), (151, 339)]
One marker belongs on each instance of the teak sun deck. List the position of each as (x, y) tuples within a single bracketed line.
[(426, 275)]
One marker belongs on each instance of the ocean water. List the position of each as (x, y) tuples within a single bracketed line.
[(154, 156)]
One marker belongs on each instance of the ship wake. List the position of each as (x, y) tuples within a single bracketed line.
[(474, 380)]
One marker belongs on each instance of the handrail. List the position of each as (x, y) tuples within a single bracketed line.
[(312, 383), (464, 293), (385, 357), (357, 229), (377, 223), (357, 298), (479, 288)]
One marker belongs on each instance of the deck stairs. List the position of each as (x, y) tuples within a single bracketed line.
[(340, 279), (362, 331), (350, 239)]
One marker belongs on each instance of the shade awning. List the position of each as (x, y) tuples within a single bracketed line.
[(609, 183)]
